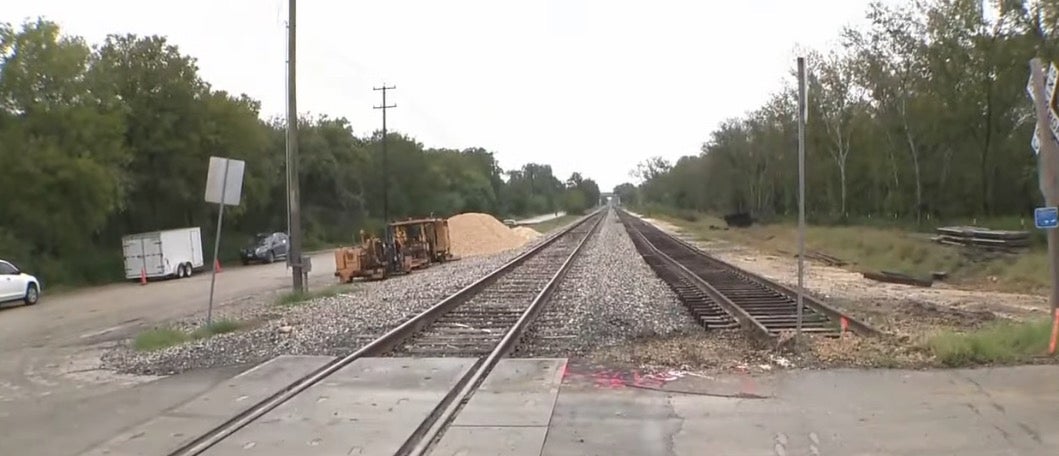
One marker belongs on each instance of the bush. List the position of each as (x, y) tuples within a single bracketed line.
[(999, 343), (574, 202)]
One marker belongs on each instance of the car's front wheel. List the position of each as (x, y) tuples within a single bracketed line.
[(32, 294)]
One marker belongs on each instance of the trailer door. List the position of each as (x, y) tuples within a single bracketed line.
[(143, 254)]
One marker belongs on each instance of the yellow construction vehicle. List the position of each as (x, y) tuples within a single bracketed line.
[(408, 245)]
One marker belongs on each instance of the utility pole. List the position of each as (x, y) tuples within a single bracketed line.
[(294, 255), (385, 171), (286, 139)]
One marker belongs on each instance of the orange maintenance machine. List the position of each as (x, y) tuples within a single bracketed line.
[(408, 245)]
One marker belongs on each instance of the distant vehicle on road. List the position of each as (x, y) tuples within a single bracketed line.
[(173, 253), (266, 248), (510, 222), (16, 285)]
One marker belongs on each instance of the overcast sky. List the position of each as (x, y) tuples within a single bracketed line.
[(583, 85)]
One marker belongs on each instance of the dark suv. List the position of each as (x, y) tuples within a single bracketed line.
[(266, 247)]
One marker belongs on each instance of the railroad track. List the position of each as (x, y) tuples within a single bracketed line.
[(720, 295), (485, 320), (478, 325)]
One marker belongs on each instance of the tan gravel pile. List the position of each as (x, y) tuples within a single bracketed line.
[(473, 233), (526, 232)]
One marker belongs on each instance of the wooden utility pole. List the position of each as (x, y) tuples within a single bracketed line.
[(385, 171), (294, 254), (1048, 159)]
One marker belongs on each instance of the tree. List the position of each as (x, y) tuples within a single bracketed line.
[(919, 115), (574, 202), (835, 94), (61, 132), (117, 140), (626, 193)]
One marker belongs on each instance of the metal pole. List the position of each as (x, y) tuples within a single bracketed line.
[(295, 252), (385, 167), (802, 114), (1049, 153), (217, 242)]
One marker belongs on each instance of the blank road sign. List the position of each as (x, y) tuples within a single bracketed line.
[(233, 186), (1046, 217)]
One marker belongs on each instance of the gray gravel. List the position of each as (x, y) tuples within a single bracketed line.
[(610, 296), (332, 326)]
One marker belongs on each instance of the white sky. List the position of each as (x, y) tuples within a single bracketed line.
[(584, 85)]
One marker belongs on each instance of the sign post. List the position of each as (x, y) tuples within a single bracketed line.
[(224, 186), (1042, 93), (803, 114)]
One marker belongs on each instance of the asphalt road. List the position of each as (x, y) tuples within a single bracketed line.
[(49, 352)]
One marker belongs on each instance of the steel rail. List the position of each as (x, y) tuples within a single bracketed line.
[(380, 345), (508, 343), (812, 302), (740, 314)]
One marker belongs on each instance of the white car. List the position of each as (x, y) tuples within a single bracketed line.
[(16, 285)]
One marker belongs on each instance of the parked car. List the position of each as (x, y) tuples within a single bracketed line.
[(510, 222), (266, 248), (16, 285)]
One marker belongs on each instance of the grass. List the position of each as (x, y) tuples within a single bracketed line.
[(546, 226), (159, 338), (1000, 343), (878, 247), (298, 297)]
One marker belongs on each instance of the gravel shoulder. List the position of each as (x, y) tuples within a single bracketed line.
[(334, 325), (610, 309)]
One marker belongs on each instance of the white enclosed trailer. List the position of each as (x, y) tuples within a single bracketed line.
[(170, 253)]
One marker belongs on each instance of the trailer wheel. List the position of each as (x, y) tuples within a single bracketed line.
[(188, 270), (180, 271)]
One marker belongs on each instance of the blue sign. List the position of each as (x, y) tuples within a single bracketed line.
[(1046, 218)]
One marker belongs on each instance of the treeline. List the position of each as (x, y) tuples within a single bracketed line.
[(920, 115), (101, 141)]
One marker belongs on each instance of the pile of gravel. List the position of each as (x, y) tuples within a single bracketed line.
[(609, 296), (332, 326)]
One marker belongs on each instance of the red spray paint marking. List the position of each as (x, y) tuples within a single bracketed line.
[(611, 379), (844, 323)]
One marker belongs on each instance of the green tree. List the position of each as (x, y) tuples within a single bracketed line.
[(61, 134), (117, 140), (920, 115)]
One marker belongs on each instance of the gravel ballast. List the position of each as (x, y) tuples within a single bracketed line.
[(610, 296), (334, 325), (610, 305)]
